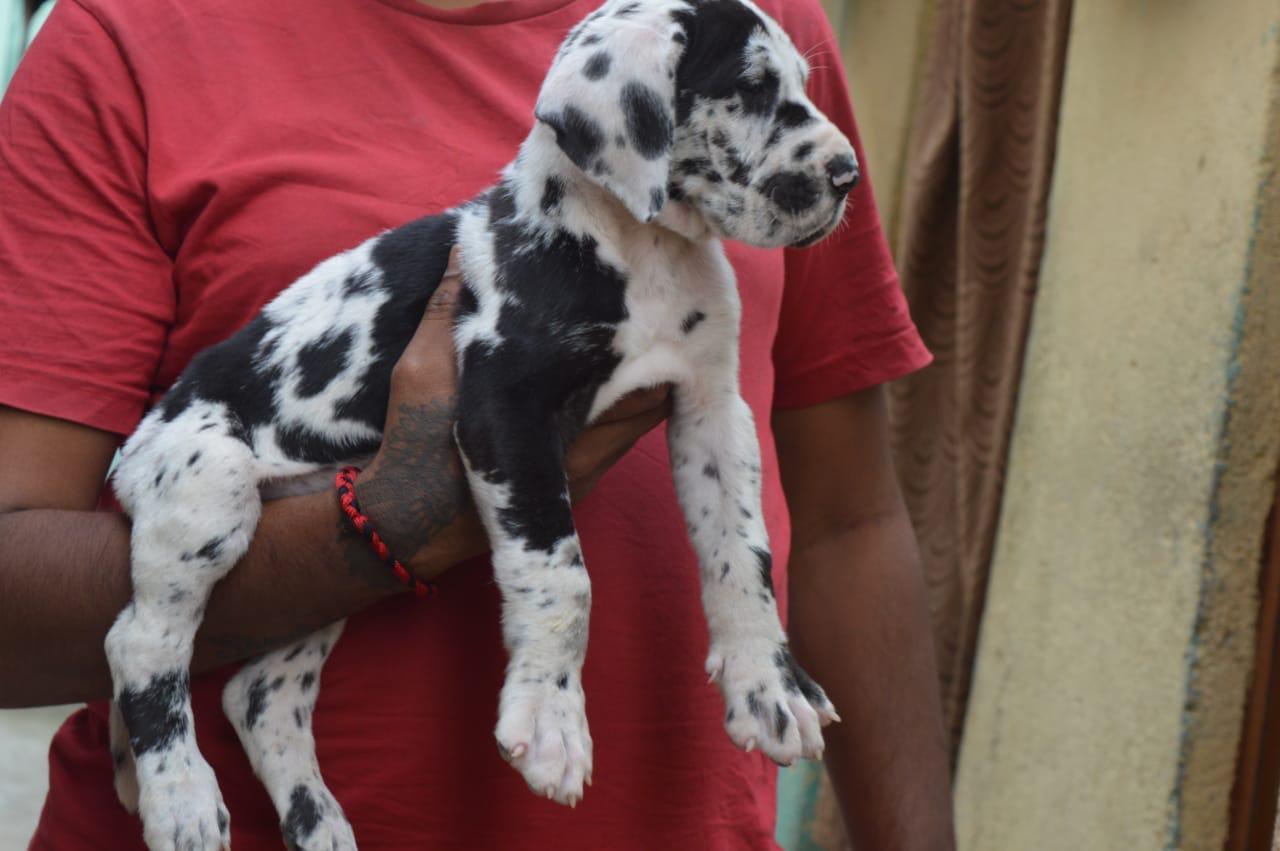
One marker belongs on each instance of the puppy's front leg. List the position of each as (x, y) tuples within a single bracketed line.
[(515, 466), (770, 701)]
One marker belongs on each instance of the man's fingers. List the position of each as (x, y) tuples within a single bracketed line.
[(445, 298), (605, 442), (430, 352)]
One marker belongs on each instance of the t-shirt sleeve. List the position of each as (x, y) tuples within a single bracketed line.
[(844, 324), (86, 293)]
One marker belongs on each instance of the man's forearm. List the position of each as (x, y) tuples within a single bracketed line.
[(859, 624), (64, 576)]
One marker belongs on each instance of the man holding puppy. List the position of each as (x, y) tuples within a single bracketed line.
[(166, 169)]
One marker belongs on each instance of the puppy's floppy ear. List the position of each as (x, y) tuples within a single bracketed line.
[(610, 99)]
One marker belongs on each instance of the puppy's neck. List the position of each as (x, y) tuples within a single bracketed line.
[(548, 187)]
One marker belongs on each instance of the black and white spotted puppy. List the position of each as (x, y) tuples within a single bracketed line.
[(591, 269)]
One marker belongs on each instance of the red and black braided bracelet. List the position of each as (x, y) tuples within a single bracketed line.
[(359, 521)]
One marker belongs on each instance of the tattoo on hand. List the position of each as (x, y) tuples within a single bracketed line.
[(419, 488)]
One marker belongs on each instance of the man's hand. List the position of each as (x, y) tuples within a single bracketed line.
[(415, 490)]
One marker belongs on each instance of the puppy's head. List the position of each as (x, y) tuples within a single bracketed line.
[(700, 101)]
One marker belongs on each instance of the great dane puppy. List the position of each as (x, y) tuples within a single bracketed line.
[(591, 269)]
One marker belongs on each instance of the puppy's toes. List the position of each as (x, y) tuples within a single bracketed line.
[(809, 725), (542, 732)]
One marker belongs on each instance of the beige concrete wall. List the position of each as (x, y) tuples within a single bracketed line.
[(881, 43), (1118, 634)]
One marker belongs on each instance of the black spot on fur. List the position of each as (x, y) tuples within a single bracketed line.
[(627, 10), (302, 818), (780, 720), (359, 283), (648, 124), (223, 820), (211, 549), (724, 571), (741, 172), (692, 320), (154, 715), (563, 682), (577, 135), (759, 94), (711, 471), (298, 717), (753, 704), (802, 152), (794, 678), (321, 361), (594, 38), (794, 192), (195, 456), (597, 67), (295, 652), (258, 693), (765, 561), (552, 194), (301, 443), (308, 679), (791, 115)]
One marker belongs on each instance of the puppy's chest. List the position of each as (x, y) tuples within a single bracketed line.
[(682, 313), (677, 304)]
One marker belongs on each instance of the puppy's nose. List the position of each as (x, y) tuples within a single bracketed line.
[(843, 171)]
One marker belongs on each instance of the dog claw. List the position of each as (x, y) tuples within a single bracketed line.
[(517, 751), (750, 746), (551, 793)]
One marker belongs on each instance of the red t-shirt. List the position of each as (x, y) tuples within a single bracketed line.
[(167, 166)]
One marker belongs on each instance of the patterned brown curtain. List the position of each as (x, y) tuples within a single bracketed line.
[(971, 232)]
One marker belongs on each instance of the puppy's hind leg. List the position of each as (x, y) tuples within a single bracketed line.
[(194, 507), (270, 702)]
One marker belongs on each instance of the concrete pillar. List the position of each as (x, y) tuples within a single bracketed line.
[(1117, 643)]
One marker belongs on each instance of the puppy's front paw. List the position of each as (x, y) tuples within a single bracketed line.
[(182, 809), (542, 732), (771, 703)]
